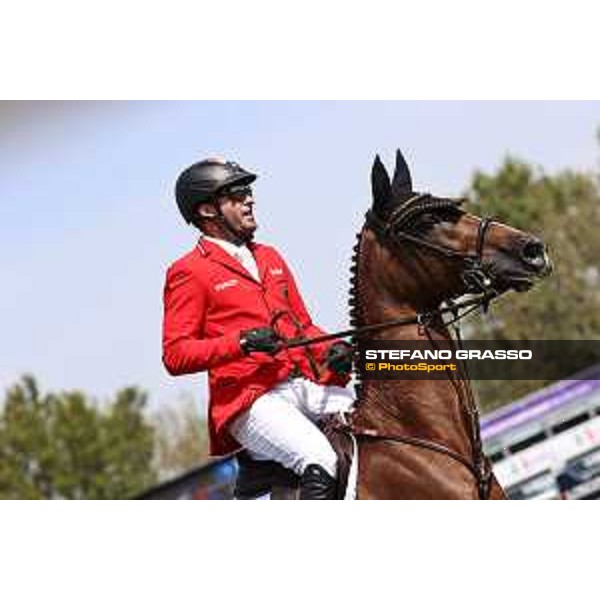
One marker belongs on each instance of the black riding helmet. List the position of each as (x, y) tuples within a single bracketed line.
[(204, 180)]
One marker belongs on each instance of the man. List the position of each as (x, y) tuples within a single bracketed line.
[(228, 306)]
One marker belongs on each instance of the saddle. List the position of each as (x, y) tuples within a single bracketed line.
[(258, 478)]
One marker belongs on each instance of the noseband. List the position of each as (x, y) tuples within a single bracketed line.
[(397, 227)]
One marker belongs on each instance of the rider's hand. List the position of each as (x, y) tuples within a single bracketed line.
[(261, 339), (339, 358)]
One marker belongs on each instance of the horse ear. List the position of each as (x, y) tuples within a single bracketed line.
[(380, 185), (402, 184)]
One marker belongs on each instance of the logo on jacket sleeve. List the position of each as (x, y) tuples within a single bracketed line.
[(219, 287), (276, 271)]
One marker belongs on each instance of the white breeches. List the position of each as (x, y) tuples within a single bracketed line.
[(280, 425)]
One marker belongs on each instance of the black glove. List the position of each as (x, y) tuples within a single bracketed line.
[(261, 339), (339, 358)]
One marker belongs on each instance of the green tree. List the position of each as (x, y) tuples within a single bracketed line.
[(65, 446), (564, 209), (181, 438)]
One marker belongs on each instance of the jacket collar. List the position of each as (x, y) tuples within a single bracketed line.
[(215, 253)]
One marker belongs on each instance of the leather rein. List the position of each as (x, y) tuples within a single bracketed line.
[(392, 231)]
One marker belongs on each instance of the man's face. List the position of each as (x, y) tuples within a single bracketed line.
[(237, 206)]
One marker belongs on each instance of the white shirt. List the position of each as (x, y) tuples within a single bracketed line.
[(241, 253)]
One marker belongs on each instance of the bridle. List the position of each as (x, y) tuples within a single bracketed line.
[(395, 228), (391, 231), (476, 280)]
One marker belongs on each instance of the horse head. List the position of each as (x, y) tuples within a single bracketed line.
[(436, 250)]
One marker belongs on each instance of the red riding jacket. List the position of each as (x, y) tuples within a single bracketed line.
[(209, 297)]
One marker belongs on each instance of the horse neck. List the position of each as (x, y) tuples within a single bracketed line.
[(389, 288)]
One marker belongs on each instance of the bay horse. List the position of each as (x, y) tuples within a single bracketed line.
[(416, 253), (420, 438)]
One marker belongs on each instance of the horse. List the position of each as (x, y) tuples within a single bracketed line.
[(416, 256)]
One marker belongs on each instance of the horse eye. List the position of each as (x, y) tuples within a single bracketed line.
[(428, 220)]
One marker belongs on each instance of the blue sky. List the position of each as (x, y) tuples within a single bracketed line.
[(88, 223)]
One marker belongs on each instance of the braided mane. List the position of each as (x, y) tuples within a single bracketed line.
[(398, 219), (355, 307)]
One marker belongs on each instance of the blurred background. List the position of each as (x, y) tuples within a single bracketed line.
[(88, 226)]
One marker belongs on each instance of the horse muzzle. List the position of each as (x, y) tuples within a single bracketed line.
[(535, 258), (522, 268)]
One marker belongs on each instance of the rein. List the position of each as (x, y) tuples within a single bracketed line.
[(476, 281), (419, 319)]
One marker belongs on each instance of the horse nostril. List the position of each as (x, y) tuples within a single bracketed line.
[(534, 254)]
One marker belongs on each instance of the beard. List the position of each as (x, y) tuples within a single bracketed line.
[(241, 234)]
